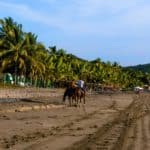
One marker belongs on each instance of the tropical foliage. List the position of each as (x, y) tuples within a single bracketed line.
[(22, 54)]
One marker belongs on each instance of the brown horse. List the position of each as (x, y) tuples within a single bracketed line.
[(74, 94), (79, 95)]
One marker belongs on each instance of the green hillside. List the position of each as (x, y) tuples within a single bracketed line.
[(143, 68)]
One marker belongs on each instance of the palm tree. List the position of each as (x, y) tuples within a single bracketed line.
[(18, 49), (35, 66), (11, 51)]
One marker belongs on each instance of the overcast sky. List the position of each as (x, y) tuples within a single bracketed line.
[(113, 30)]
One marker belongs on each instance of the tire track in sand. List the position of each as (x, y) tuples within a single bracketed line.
[(75, 126), (138, 134), (132, 127)]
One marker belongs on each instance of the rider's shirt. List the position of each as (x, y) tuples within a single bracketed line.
[(80, 83)]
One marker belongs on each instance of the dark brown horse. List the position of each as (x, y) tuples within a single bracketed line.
[(70, 93), (74, 94)]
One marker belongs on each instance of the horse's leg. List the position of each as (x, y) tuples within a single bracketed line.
[(72, 101), (84, 98), (75, 99), (69, 98), (80, 99), (64, 99)]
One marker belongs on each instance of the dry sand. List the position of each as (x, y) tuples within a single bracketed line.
[(38, 120)]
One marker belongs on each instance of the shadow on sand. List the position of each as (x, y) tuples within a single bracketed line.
[(30, 101)]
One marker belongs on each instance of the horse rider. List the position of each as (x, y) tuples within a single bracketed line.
[(80, 84)]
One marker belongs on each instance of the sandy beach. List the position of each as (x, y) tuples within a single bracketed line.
[(37, 119)]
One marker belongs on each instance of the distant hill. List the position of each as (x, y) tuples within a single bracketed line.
[(143, 68)]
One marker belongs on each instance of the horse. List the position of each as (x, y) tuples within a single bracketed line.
[(74, 94), (70, 92), (79, 95)]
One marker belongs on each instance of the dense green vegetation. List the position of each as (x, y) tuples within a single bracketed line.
[(22, 54), (143, 68)]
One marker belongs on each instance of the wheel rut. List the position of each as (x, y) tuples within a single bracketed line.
[(75, 128), (130, 126), (109, 128)]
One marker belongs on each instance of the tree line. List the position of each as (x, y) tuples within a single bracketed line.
[(22, 54)]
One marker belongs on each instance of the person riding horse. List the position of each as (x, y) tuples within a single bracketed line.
[(75, 92), (80, 84)]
